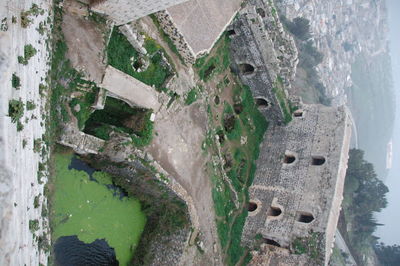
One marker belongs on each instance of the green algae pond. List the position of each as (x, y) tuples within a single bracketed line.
[(87, 205)]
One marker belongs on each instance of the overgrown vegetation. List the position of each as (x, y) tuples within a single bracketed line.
[(26, 16), (15, 110), (125, 58), (119, 116), (30, 105), (192, 96), (166, 38), (240, 134), (309, 56), (33, 225), (313, 246), (364, 195), (15, 81), (29, 52), (208, 66), (284, 103)]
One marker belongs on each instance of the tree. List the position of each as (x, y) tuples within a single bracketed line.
[(388, 255), (300, 27)]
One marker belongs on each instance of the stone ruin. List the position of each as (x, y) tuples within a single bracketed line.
[(263, 53), (298, 185)]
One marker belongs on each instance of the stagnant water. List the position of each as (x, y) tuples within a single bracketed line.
[(69, 250), (95, 223)]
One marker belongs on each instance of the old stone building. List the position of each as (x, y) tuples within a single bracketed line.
[(124, 11), (298, 185), (297, 191), (196, 25), (263, 53)]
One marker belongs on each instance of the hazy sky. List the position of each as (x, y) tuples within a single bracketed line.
[(390, 217)]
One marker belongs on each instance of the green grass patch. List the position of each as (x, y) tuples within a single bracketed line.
[(123, 56), (191, 96), (245, 121), (210, 65), (85, 103), (282, 100), (89, 209)]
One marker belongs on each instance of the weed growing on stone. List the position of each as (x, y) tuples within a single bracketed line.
[(29, 52), (30, 105), (15, 81), (15, 110)]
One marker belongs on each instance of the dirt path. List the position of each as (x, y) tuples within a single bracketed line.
[(177, 147)]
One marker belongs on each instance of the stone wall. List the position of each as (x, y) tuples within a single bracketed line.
[(292, 198), (21, 178), (262, 52), (124, 11), (176, 36)]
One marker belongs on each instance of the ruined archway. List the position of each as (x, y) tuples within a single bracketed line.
[(252, 206), (298, 113), (261, 102), (304, 217), (289, 159), (246, 69), (318, 160), (274, 211), (231, 32), (271, 242)]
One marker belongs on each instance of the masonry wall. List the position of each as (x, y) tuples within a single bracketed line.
[(125, 11), (259, 40), (300, 186)]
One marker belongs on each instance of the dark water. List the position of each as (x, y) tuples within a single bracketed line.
[(80, 165), (70, 251)]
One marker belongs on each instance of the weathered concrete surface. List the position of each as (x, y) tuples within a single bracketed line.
[(301, 186), (124, 11), (129, 89), (201, 22), (19, 163)]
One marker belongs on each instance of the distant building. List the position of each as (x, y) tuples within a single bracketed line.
[(125, 11)]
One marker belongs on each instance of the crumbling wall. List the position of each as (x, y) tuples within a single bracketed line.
[(300, 171), (21, 179), (176, 36), (259, 40)]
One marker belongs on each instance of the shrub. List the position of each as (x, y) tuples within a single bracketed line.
[(29, 51), (30, 105), (20, 126), (33, 225), (36, 202), (15, 81), (191, 97), (15, 110)]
